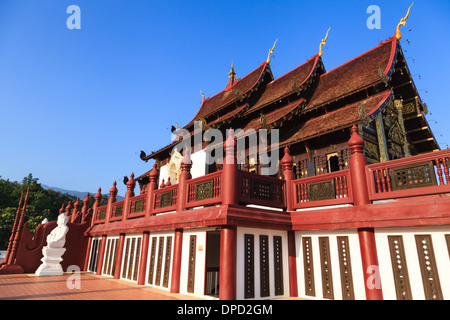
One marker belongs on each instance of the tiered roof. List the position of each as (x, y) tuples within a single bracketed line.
[(314, 101)]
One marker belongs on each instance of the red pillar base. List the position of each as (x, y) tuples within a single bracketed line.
[(227, 275), (11, 269)]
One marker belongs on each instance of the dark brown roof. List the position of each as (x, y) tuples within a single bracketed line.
[(231, 94), (286, 84), (275, 115), (339, 119), (355, 75)]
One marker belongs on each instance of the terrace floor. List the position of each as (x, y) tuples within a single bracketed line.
[(92, 287)]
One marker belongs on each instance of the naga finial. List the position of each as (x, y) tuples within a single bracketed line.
[(271, 51), (402, 22), (203, 96), (324, 41)]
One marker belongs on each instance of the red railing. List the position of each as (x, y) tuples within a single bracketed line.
[(260, 190), (165, 199), (413, 176), (137, 206), (117, 211), (205, 190), (324, 190)]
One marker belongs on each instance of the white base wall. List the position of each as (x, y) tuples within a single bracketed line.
[(441, 254)]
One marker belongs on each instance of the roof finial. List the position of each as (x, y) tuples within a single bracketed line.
[(402, 22), (203, 96), (324, 41), (232, 74), (271, 51)]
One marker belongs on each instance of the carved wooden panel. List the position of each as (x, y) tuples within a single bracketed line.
[(345, 268), (204, 190), (136, 259), (167, 262), (101, 214), (428, 268), (107, 256), (308, 266), (264, 265), (413, 176), (152, 261), (321, 190), (278, 265), (191, 268), (325, 264), (399, 268), (249, 266), (116, 248), (261, 190), (125, 260), (130, 263), (118, 210), (166, 199), (447, 239), (139, 205), (94, 255), (159, 264)]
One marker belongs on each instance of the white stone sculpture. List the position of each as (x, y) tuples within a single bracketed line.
[(51, 262)]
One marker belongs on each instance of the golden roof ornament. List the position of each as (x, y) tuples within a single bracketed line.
[(402, 22), (232, 74), (203, 96), (324, 41), (271, 51)]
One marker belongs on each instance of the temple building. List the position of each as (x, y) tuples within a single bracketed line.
[(357, 207)]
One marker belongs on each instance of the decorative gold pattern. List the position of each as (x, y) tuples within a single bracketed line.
[(278, 265), (321, 190), (204, 190), (264, 265), (249, 266)]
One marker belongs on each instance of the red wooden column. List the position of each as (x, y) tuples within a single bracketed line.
[(288, 175), (152, 186), (88, 253), (176, 265), (97, 203), (366, 236), (230, 172), (293, 286), (101, 255), (227, 277), (112, 199), (131, 184), (118, 268), (143, 259), (186, 165)]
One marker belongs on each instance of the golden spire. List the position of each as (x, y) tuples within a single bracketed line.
[(402, 22), (324, 41), (271, 51), (232, 74)]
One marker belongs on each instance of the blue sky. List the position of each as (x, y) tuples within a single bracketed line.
[(77, 106)]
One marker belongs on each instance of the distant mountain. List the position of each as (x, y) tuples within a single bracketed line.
[(74, 193)]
